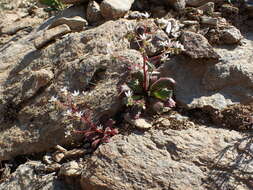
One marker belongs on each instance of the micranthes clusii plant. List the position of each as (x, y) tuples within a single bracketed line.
[(94, 133), (146, 89)]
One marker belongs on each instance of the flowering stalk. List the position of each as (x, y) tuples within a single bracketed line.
[(94, 133)]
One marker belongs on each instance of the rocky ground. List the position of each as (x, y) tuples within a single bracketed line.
[(203, 143)]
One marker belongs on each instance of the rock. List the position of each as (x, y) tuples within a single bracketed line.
[(29, 123), (27, 177), (207, 8), (177, 4), (236, 117), (249, 7), (50, 35), (190, 22), (70, 169), (137, 15), (93, 12), (11, 28), (75, 153), (158, 11), (197, 3), (55, 167), (230, 35), (209, 20), (47, 159), (165, 159), (112, 9), (197, 46), (139, 123), (216, 14), (60, 148), (58, 156), (141, 5), (229, 10), (76, 24), (213, 86)]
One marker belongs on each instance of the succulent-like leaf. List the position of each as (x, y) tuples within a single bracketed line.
[(162, 94), (137, 97), (135, 85), (95, 143), (170, 103), (150, 66), (164, 82)]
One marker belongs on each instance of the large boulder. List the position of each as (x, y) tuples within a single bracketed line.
[(196, 158), (31, 77)]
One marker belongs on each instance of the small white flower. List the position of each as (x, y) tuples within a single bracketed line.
[(164, 57), (146, 15), (178, 45), (68, 113), (79, 114), (129, 94), (67, 134), (64, 90), (100, 127), (143, 37), (109, 49), (70, 127), (162, 21), (76, 93), (164, 43), (124, 88), (53, 99)]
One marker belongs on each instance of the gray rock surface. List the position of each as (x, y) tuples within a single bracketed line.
[(28, 177), (190, 159), (201, 84)]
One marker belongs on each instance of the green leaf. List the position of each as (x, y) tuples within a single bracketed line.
[(164, 82), (137, 97), (150, 66), (163, 94)]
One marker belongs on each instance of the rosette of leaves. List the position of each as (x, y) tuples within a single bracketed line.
[(146, 88)]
